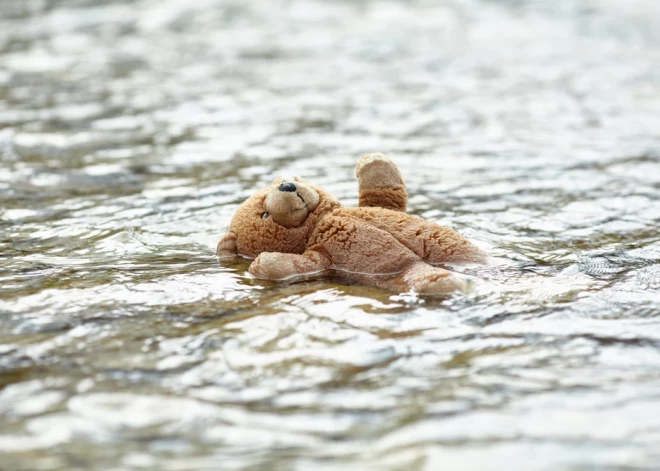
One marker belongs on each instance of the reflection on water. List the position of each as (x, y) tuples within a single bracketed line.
[(131, 131)]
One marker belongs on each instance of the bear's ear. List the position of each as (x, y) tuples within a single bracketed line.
[(227, 246)]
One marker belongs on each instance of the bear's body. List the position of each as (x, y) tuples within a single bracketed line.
[(298, 231)]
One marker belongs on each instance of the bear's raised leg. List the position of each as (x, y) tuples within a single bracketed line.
[(380, 183), (291, 267), (426, 279)]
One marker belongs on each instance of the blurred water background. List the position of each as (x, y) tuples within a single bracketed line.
[(131, 130)]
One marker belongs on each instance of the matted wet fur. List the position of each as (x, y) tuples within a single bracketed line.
[(294, 230)]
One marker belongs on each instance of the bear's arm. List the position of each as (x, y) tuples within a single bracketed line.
[(380, 183), (279, 266)]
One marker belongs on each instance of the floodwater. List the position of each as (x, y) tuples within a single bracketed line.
[(131, 130)]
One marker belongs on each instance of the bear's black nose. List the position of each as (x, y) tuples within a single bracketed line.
[(287, 187)]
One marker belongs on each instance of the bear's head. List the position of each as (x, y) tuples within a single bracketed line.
[(279, 218)]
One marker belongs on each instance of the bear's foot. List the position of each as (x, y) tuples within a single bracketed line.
[(380, 183), (425, 279), (440, 283)]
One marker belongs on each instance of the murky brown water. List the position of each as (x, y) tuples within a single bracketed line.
[(129, 133)]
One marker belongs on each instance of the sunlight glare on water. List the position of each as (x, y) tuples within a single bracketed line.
[(130, 131)]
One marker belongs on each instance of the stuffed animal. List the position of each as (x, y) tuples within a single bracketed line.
[(296, 231)]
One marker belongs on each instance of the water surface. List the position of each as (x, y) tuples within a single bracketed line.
[(131, 130)]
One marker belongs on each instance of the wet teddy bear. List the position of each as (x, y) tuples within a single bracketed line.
[(296, 231)]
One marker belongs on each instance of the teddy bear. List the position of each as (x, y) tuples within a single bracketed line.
[(296, 231)]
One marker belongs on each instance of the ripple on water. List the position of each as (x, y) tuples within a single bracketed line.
[(131, 131)]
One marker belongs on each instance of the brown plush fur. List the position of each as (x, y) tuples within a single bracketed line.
[(298, 231), (388, 198)]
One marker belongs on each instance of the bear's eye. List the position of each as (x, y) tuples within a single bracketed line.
[(265, 215)]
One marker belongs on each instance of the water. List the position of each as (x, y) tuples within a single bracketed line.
[(131, 130)]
